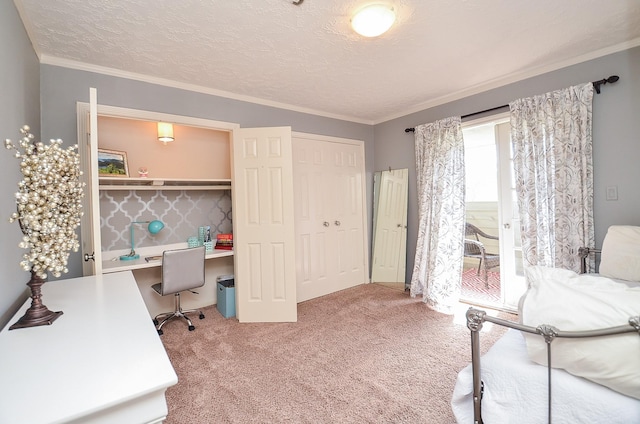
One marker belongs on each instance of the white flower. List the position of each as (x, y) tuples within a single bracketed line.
[(49, 203)]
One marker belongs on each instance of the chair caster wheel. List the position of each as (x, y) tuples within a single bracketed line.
[(201, 316), (160, 332), (191, 328), (155, 321)]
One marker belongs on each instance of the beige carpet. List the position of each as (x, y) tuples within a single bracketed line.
[(369, 354)]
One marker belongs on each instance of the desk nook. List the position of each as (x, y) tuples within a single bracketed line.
[(184, 185)]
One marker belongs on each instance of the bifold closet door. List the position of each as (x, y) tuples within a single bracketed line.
[(329, 216)]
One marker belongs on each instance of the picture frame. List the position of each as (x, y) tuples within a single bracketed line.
[(112, 163)]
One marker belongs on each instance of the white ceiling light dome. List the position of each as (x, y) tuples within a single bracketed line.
[(373, 20)]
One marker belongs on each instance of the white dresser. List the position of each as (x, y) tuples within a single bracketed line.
[(100, 362)]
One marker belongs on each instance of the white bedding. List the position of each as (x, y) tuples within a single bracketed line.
[(579, 302), (515, 391)]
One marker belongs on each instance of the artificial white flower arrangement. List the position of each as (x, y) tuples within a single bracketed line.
[(49, 203)]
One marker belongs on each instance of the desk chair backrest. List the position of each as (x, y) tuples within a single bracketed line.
[(182, 269)]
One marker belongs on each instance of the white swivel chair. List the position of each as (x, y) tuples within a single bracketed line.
[(182, 269)]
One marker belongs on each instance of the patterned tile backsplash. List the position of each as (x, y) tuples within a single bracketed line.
[(181, 211)]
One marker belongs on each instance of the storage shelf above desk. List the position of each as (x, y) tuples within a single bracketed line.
[(120, 183), (109, 266)]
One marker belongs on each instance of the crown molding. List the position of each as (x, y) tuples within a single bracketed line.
[(480, 88), (81, 66), (509, 79)]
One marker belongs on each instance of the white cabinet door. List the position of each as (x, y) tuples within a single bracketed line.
[(263, 225), (330, 218)]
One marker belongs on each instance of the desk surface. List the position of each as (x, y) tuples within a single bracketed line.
[(117, 265), (103, 352)]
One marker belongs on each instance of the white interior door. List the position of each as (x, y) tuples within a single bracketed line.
[(389, 258), (263, 225), (88, 150), (330, 217)]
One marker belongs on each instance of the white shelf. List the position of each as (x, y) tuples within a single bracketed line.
[(124, 183)]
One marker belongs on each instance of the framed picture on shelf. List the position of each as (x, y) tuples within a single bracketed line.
[(112, 163)]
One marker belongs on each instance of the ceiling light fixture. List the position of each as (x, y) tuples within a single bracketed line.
[(373, 20), (165, 132)]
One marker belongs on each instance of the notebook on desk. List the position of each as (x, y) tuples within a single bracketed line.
[(153, 258)]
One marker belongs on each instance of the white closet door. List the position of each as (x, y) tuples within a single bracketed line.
[(313, 226), (330, 216), (263, 225), (348, 208)]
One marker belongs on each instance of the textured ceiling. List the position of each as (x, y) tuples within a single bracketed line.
[(307, 58)]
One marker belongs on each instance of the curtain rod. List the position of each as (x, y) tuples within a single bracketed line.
[(596, 86)]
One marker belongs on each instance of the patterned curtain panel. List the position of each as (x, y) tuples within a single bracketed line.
[(440, 172), (551, 137)]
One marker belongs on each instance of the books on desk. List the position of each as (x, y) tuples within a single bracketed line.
[(224, 241)]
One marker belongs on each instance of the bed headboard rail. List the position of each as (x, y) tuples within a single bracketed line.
[(583, 254), (475, 319)]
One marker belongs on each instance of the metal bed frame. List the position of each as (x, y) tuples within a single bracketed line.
[(475, 319)]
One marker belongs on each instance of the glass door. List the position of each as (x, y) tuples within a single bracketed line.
[(491, 217), (512, 277)]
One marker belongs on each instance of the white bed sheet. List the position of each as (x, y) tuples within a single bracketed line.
[(515, 391)]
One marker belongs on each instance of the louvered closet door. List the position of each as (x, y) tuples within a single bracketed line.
[(329, 216)]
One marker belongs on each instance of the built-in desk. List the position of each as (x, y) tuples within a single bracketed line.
[(102, 361), (113, 264), (219, 262)]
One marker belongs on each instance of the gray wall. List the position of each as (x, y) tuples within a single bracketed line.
[(616, 136), (62, 88), (20, 105)]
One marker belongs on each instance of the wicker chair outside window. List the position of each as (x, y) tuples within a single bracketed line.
[(474, 248)]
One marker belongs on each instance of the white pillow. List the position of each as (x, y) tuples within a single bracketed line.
[(621, 253), (576, 302)]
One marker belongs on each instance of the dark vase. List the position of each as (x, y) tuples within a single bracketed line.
[(38, 313)]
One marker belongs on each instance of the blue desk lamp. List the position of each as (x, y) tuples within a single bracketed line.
[(154, 227)]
